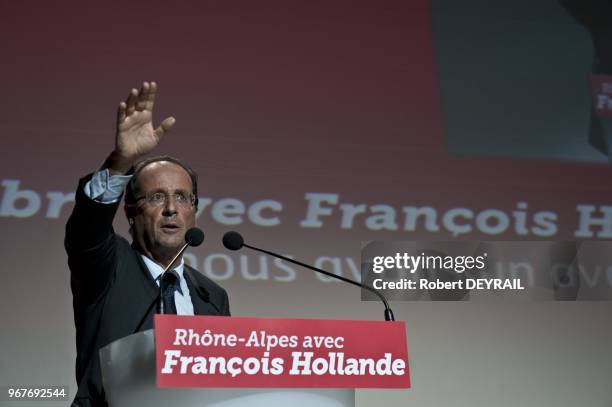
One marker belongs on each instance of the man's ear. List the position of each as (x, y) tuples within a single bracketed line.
[(130, 213)]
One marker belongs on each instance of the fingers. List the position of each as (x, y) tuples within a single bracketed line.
[(121, 112), (143, 99), (131, 101), (164, 126), (138, 100), (150, 100), (143, 94)]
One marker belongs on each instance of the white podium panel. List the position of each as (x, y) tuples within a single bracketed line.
[(128, 374)]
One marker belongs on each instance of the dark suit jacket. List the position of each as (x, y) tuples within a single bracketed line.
[(113, 291)]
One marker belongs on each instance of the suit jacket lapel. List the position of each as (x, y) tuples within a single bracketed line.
[(199, 295), (150, 292)]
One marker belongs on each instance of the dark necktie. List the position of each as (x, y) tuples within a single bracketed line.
[(170, 283)]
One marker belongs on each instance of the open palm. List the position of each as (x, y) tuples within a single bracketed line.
[(135, 133)]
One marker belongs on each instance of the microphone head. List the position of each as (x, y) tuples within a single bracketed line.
[(194, 237), (233, 240)]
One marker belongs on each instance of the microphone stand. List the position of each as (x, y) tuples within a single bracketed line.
[(235, 241), (160, 302)]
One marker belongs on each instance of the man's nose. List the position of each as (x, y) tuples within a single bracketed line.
[(170, 206)]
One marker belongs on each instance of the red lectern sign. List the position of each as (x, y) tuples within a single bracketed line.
[(206, 351)]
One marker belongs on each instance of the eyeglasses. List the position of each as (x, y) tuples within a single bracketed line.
[(160, 198)]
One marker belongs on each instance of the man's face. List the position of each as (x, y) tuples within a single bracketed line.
[(159, 226)]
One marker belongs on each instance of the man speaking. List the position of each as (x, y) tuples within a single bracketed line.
[(115, 284)]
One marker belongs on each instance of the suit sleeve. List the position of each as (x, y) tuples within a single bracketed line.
[(90, 244)]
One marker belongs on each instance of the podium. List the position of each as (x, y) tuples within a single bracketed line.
[(128, 372), (130, 378)]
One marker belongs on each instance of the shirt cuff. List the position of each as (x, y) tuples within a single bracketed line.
[(106, 188)]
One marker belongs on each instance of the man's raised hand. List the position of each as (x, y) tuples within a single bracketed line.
[(136, 136)]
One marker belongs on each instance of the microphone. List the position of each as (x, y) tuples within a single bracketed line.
[(193, 237), (234, 241)]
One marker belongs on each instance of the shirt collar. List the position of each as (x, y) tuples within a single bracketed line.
[(156, 270)]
